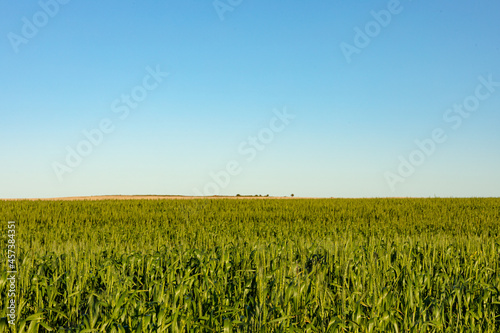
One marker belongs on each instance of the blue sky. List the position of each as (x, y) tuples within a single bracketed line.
[(250, 97)]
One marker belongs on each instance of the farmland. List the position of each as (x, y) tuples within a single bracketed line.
[(274, 265)]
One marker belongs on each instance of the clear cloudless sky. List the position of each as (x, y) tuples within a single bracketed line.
[(359, 102)]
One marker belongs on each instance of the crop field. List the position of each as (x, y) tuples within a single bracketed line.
[(273, 265)]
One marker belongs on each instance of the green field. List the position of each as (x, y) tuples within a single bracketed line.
[(274, 265)]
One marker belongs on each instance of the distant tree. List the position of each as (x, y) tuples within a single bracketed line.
[(293, 195), (238, 195)]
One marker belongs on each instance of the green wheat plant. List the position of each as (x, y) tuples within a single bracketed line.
[(274, 265)]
